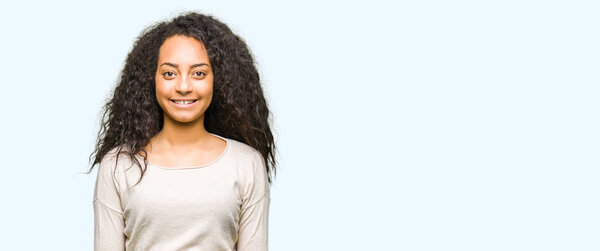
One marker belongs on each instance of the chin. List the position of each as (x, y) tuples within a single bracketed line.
[(185, 119)]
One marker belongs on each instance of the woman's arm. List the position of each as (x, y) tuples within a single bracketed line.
[(108, 214), (254, 219)]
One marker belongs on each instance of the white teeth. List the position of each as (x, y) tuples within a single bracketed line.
[(183, 102)]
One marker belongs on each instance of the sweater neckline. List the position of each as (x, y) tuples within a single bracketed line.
[(227, 146)]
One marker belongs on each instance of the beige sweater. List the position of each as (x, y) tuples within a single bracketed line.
[(223, 205)]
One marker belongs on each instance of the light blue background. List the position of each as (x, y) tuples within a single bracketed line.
[(415, 125)]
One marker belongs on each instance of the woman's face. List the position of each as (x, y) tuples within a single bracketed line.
[(184, 79)]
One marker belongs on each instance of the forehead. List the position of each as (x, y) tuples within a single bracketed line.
[(182, 49)]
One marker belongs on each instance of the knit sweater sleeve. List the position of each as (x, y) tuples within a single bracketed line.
[(253, 228), (108, 213)]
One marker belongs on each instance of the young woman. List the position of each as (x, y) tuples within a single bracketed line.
[(185, 150)]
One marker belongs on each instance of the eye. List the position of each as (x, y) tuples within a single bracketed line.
[(199, 74), (168, 74)]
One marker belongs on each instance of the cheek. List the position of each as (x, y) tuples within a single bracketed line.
[(160, 93), (160, 87), (206, 89), (210, 85)]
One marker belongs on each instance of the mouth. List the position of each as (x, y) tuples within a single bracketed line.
[(183, 101)]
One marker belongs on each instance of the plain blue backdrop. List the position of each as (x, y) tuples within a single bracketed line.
[(400, 125)]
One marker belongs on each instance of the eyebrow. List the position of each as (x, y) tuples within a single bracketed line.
[(176, 65)]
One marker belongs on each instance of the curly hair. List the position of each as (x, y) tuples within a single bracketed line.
[(238, 109)]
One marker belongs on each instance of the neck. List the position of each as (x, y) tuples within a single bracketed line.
[(178, 134)]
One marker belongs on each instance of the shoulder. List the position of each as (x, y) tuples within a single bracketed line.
[(242, 150), (254, 184), (248, 159), (116, 159)]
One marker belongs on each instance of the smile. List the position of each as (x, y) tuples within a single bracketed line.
[(183, 102)]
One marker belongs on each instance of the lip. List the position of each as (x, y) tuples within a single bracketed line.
[(172, 101)]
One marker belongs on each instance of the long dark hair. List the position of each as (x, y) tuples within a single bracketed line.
[(238, 109)]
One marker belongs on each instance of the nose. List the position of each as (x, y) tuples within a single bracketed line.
[(183, 86)]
